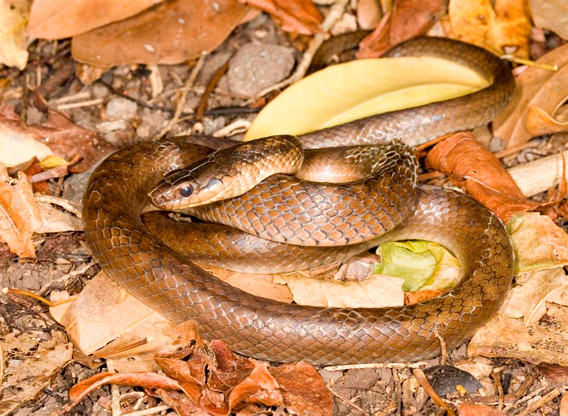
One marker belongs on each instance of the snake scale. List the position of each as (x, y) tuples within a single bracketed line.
[(171, 284)]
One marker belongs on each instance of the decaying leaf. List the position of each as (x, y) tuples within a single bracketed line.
[(13, 38), (538, 242), (409, 18), (510, 337), (54, 220), (34, 361), (552, 15), (300, 16), (471, 166), (539, 122), (58, 135), (375, 291), (539, 87), (528, 298), (472, 409), (59, 19), (501, 26), (351, 91), (19, 214), (169, 33)]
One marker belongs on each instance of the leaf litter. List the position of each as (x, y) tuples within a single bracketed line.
[(540, 283)]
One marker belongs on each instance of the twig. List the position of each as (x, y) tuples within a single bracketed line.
[(541, 402), (208, 90), (183, 95), (421, 377), (514, 59), (443, 349), (56, 172), (331, 19), (62, 202), (22, 292), (349, 402), (377, 365), (237, 126), (80, 104), (114, 391), (497, 380), (531, 377)]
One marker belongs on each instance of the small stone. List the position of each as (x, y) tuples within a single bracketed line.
[(496, 144), (99, 91), (259, 66), (120, 108)]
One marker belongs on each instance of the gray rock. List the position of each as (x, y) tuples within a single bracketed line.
[(120, 108), (256, 67)]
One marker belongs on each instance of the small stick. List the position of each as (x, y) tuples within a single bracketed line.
[(349, 402), (525, 385), (514, 59), (540, 402), (88, 103), (183, 96), (8, 290), (376, 365), (421, 377), (497, 381), (56, 172), (443, 349)]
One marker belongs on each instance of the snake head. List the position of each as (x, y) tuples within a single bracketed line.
[(189, 187)]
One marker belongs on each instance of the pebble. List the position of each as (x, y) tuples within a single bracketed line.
[(496, 144), (120, 108), (258, 66)]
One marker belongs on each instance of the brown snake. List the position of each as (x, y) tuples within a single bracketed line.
[(171, 284)]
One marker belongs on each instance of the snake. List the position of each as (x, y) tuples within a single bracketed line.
[(386, 205)]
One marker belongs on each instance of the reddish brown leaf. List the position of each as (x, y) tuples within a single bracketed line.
[(556, 373), (409, 18), (260, 387), (62, 136), (230, 370), (476, 170), (19, 213), (187, 334), (170, 33), (300, 16), (145, 380), (303, 390)]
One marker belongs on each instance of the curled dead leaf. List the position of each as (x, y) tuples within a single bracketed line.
[(19, 213), (539, 122), (552, 15), (13, 38), (472, 167)]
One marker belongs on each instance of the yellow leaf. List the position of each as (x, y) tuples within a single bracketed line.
[(53, 161), (363, 88)]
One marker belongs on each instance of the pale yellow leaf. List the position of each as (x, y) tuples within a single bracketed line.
[(13, 38), (362, 88), (538, 242)]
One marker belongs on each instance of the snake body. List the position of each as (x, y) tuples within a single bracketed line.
[(266, 329)]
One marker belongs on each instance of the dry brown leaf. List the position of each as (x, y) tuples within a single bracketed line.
[(409, 18), (510, 337), (300, 16), (19, 213), (170, 33), (528, 298), (471, 409), (471, 166), (376, 291), (552, 15), (536, 86), (411, 298), (539, 122), (34, 362), (62, 137), (59, 19), (54, 220), (501, 26), (13, 38)]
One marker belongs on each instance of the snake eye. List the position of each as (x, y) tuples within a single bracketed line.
[(186, 191)]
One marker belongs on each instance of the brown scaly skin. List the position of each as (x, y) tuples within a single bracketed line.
[(266, 329)]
